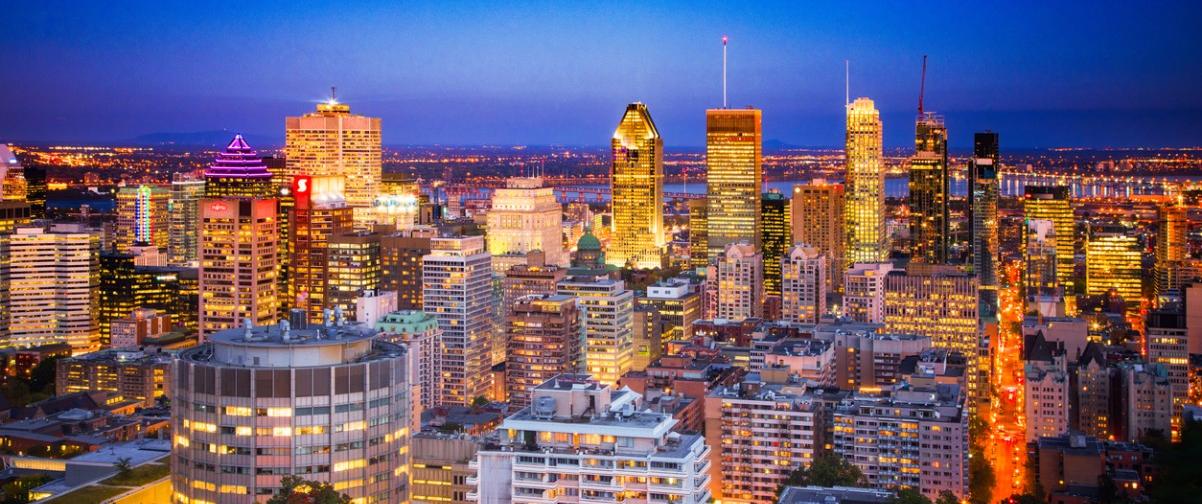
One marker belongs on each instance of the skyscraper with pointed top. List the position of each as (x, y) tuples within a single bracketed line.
[(637, 184), (864, 196), (238, 171), (333, 141)]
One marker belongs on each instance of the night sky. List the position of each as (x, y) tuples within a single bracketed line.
[(1042, 73)]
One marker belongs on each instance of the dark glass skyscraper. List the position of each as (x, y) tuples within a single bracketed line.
[(929, 190), (982, 202), (775, 238)]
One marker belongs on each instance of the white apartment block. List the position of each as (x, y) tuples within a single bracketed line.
[(583, 441), (864, 292)]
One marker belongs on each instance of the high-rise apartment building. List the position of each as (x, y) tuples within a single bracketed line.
[(238, 171), (582, 439), (864, 198), (401, 264), (864, 292), (525, 216), (533, 278), (803, 285), (543, 340), (239, 256), (907, 437), (776, 238), (740, 282), (759, 434), (983, 225), (319, 213), (679, 305), (939, 302), (1054, 203), (929, 191), (607, 321), (53, 287), (637, 187), (817, 218), (457, 289), (419, 332), (333, 141), (184, 208), (353, 267), (142, 217), (1167, 344), (255, 405), (734, 181), (1114, 262)]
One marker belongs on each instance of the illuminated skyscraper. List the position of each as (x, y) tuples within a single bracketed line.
[(52, 287), (734, 181), (929, 191), (353, 267), (142, 217), (1053, 203), (864, 211), (543, 340), (803, 285), (399, 201), (525, 216), (184, 207), (238, 171), (457, 289), (333, 141), (320, 212), (637, 184), (982, 203), (1113, 261), (740, 282), (864, 292), (817, 218), (940, 302), (698, 234), (239, 254), (1041, 284), (1171, 233), (401, 263), (776, 238)]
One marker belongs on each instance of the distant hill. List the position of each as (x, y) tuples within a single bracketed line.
[(216, 138)]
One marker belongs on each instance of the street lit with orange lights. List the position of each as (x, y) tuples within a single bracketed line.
[(1006, 447)]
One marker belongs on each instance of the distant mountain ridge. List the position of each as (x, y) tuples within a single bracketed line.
[(214, 138)]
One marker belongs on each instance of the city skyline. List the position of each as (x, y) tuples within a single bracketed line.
[(1075, 85)]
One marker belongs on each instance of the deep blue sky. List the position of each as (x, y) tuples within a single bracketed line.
[(1042, 73)]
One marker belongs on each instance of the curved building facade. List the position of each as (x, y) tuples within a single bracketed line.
[(327, 403)]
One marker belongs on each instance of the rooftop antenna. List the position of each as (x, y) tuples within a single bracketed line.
[(922, 87), (333, 94), (724, 40), (846, 82)]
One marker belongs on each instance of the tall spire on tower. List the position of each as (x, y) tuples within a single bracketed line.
[(724, 40)]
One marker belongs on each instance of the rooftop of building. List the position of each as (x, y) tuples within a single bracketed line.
[(357, 343), (122, 356)]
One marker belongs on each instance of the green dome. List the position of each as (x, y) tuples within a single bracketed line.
[(588, 242)]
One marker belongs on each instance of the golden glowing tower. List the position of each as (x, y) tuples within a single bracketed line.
[(864, 210), (334, 142), (637, 184), (1054, 203), (733, 147), (1114, 262)]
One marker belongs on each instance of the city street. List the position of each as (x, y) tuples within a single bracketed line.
[(1006, 447)]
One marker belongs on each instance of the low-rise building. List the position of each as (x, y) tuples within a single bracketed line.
[(136, 375)]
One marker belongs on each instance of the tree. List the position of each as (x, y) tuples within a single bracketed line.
[(1179, 465), (1025, 498), (909, 495), (946, 497), (17, 491), (294, 490), (980, 477), (479, 402), (41, 379), (123, 467), (827, 470)]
